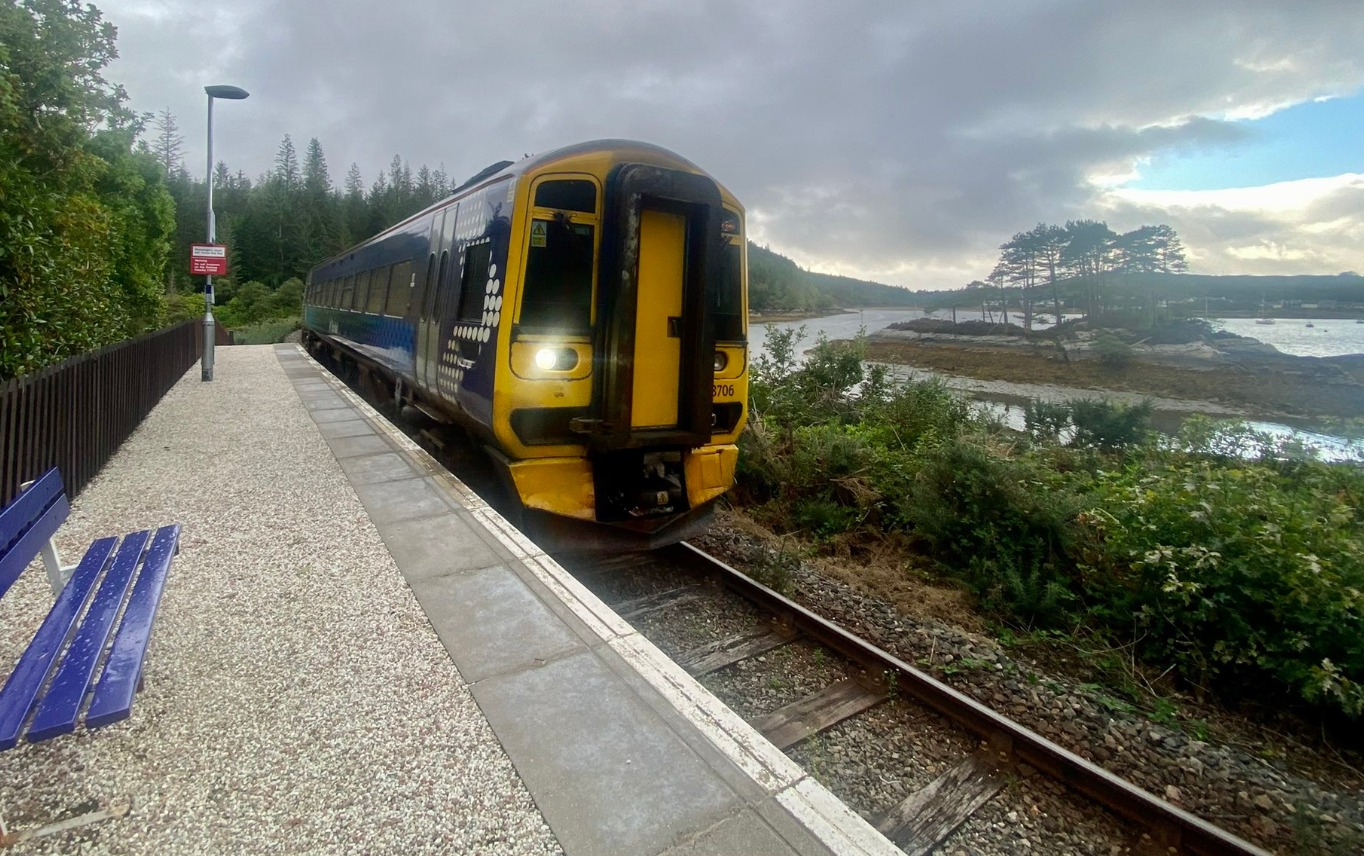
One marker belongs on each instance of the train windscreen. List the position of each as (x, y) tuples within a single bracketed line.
[(558, 286)]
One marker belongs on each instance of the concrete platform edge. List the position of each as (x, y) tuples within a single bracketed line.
[(813, 806)]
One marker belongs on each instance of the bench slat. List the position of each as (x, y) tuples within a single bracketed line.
[(60, 707), (17, 697), (15, 517), (28, 539), (114, 692)]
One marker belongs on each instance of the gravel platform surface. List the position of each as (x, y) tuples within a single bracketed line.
[(297, 700)]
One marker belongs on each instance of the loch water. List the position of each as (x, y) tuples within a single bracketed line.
[(1007, 401)]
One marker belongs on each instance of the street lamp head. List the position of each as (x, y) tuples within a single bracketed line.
[(236, 93)]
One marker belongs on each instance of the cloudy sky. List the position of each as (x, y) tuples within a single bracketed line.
[(898, 141)]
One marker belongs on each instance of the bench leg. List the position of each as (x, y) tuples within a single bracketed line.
[(56, 574)]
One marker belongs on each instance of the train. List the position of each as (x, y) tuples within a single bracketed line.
[(581, 315)]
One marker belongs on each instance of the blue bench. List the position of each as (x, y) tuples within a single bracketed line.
[(92, 643)]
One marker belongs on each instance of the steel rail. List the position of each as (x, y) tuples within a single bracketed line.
[(1167, 825)]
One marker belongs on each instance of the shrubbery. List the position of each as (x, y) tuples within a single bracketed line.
[(1235, 561), (254, 303)]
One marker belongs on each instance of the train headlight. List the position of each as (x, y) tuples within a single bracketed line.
[(555, 359), (721, 360)]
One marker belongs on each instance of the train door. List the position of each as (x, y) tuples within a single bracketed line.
[(428, 323), (658, 318), (656, 339)]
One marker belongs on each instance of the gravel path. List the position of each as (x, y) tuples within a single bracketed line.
[(297, 700)]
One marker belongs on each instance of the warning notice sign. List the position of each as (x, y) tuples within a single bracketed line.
[(538, 230), (208, 259)]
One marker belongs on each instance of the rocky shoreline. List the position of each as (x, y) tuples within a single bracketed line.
[(1230, 371)]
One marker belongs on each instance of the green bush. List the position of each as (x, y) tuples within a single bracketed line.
[(1239, 571), (1046, 420), (823, 517), (1104, 424), (985, 519), (1112, 351), (269, 333)]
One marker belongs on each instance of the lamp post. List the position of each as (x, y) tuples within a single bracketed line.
[(233, 93)]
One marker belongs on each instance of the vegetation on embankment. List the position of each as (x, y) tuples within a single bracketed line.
[(1227, 562), (85, 219)]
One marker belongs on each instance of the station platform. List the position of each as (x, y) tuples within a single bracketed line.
[(355, 654)]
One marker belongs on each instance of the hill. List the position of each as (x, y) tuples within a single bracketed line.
[(776, 283), (1233, 293)]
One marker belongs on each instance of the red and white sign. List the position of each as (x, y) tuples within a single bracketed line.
[(208, 259)]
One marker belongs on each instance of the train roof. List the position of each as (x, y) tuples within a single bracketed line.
[(512, 169)]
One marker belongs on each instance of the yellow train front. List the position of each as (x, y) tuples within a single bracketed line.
[(581, 313)]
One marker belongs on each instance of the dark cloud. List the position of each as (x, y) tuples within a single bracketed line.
[(903, 141)]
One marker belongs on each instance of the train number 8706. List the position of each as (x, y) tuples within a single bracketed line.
[(721, 389)]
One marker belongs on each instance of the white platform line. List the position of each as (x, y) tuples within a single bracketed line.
[(826, 817)]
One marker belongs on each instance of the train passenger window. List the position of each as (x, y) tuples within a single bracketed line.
[(438, 305), (347, 291), (429, 287), (361, 291), (400, 292), (473, 283), (378, 290), (333, 286), (558, 286), (567, 195)]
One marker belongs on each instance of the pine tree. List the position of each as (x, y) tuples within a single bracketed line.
[(322, 217), (169, 146), (355, 183), (425, 191), (357, 214), (316, 178), (286, 164)]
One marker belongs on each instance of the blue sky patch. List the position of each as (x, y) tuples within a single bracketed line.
[(1315, 139)]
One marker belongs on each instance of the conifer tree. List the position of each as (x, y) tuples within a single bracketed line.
[(286, 164), (169, 146)]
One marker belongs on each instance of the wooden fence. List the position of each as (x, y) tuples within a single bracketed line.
[(75, 414)]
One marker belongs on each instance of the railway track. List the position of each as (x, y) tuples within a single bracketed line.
[(927, 817)]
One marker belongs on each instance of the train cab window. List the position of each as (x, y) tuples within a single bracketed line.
[(567, 195), (557, 292), (400, 291), (727, 301), (378, 290)]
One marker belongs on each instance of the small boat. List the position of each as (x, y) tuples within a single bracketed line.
[(1264, 320), (1310, 324)]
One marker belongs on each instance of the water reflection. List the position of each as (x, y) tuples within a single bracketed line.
[(1007, 401)]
